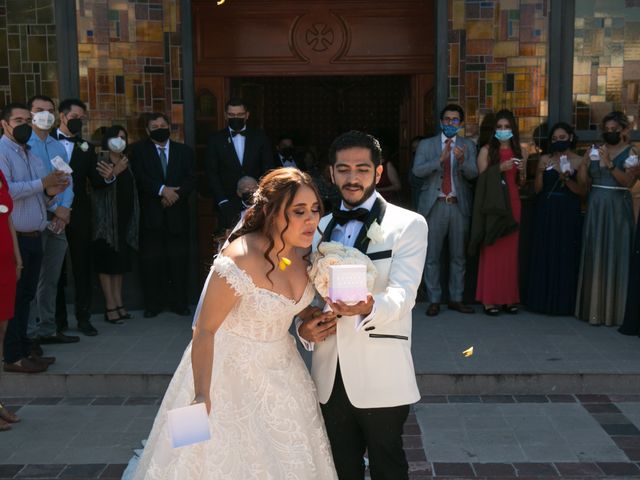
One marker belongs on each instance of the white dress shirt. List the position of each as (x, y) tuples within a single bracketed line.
[(452, 160), (238, 143), (68, 146), (286, 163)]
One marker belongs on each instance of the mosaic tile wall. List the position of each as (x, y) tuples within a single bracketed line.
[(606, 66), (27, 50), (130, 62), (498, 59)]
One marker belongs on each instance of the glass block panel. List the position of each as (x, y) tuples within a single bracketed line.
[(498, 56), (606, 73), (126, 62)]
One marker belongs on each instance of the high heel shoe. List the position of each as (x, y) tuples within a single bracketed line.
[(125, 316), (114, 321)]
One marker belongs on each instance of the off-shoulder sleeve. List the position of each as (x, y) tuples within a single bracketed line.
[(233, 275)]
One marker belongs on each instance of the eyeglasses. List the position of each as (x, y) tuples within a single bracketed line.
[(451, 121)]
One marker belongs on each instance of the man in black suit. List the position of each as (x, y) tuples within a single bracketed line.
[(165, 173), (286, 155), (82, 158), (235, 152)]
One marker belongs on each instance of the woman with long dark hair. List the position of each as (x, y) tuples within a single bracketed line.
[(608, 225), (115, 220), (504, 160), (555, 256), (265, 419)]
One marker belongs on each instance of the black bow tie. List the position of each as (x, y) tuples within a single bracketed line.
[(343, 216), (242, 132), (68, 139)]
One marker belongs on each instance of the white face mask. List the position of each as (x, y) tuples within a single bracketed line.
[(43, 120), (117, 144)]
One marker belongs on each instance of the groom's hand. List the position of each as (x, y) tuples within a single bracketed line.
[(316, 326), (360, 308)]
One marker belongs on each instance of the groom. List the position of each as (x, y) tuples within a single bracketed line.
[(362, 364)]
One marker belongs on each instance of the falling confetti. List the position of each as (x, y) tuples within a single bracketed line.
[(468, 352), (220, 2), (284, 263)]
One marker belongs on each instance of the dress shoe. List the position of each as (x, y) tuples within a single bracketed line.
[(25, 366), (7, 415), (183, 312), (44, 360), (460, 307), (59, 337), (150, 314), (433, 310), (88, 329)]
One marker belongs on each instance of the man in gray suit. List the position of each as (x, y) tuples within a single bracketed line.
[(446, 163)]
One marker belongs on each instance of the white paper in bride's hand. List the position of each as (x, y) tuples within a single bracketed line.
[(631, 161), (189, 425), (59, 164), (348, 283)]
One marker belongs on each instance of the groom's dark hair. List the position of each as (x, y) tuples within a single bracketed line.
[(356, 139)]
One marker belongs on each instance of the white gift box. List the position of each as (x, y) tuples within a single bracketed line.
[(594, 153), (631, 161), (348, 283), (565, 165), (59, 164), (189, 425)]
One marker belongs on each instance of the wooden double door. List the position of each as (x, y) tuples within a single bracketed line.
[(312, 69)]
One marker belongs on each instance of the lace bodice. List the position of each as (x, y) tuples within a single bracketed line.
[(261, 314)]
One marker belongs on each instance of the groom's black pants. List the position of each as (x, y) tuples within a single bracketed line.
[(353, 430)]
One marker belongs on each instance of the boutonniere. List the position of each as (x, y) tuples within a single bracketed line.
[(84, 146), (375, 232)]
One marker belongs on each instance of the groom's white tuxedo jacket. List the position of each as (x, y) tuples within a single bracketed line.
[(375, 359)]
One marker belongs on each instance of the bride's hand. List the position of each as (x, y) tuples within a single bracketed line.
[(203, 399), (318, 327)]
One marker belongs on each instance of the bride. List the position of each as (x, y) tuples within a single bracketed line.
[(242, 363)]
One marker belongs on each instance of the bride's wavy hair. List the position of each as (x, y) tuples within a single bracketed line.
[(275, 193)]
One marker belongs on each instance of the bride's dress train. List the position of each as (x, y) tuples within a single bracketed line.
[(265, 420)]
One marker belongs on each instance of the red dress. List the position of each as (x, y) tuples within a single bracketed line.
[(498, 266), (7, 258)]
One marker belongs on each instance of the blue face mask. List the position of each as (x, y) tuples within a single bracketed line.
[(450, 130), (503, 135)]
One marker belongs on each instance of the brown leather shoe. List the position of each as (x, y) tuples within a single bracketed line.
[(44, 360), (25, 366), (4, 426), (8, 416), (460, 307), (433, 310)]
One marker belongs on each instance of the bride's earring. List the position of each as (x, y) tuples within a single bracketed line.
[(284, 263)]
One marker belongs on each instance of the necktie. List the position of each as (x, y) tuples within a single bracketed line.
[(343, 216), (163, 160), (242, 132), (446, 177)]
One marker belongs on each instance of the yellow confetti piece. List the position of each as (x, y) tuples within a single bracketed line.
[(284, 263), (468, 352), (220, 2)]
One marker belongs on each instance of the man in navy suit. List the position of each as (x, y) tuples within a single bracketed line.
[(235, 152), (165, 174)]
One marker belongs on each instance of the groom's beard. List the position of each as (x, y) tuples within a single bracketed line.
[(366, 194)]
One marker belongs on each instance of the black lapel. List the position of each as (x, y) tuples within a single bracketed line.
[(376, 214), (156, 163), (326, 235), (249, 146), (231, 148)]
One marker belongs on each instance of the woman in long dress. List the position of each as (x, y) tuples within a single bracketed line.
[(608, 226), (264, 418), (555, 256), (498, 265)]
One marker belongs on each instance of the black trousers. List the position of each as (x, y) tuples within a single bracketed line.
[(79, 238), (16, 343), (353, 430), (164, 265)]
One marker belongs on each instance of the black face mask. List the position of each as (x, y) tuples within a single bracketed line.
[(160, 135), (561, 145), (74, 125), (247, 198), (288, 152), (236, 124), (612, 138), (22, 133)]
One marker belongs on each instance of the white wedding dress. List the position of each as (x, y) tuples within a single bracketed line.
[(265, 420)]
